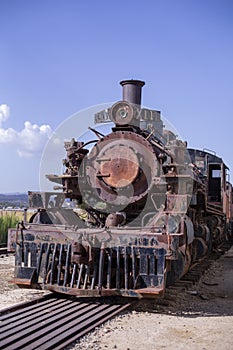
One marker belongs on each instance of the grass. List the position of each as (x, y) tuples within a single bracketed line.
[(8, 219)]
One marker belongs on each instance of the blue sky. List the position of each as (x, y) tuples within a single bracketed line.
[(59, 57)]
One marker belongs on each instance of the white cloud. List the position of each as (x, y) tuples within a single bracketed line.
[(7, 135), (4, 113), (27, 142)]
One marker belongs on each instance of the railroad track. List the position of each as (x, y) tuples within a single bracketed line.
[(186, 283), (199, 269), (189, 280), (3, 248), (53, 323)]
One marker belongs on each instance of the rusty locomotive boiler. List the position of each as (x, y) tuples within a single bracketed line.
[(147, 209)]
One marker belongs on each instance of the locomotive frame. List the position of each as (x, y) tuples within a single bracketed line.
[(152, 207)]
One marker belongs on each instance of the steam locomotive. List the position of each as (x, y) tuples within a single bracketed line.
[(146, 209)]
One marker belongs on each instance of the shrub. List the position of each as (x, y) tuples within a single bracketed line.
[(8, 220)]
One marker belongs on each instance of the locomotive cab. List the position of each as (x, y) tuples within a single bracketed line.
[(217, 183), (214, 183)]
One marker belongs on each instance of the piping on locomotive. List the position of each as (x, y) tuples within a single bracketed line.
[(150, 209)]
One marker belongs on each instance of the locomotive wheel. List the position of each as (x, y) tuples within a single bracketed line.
[(188, 259), (199, 248), (178, 268), (175, 269)]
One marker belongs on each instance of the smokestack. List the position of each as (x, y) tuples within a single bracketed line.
[(132, 90)]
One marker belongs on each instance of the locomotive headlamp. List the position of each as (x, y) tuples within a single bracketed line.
[(122, 113)]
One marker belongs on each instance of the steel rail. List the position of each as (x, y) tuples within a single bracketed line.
[(3, 249), (53, 323)]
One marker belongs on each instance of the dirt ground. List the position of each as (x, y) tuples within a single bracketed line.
[(10, 294), (200, 318)]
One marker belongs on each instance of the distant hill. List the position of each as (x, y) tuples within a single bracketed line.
[(15, 200)]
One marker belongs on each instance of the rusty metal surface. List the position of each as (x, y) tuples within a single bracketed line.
[(153, 209), (132, 154), (84, 270), (51, 323), (132, 90), (120, 167)]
